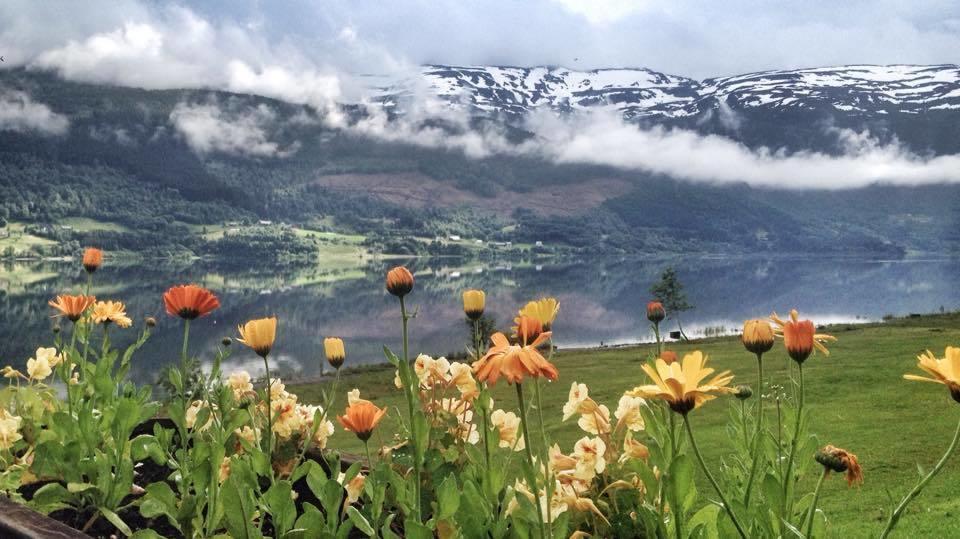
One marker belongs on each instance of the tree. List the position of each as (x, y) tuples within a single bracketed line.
[(669, 291)]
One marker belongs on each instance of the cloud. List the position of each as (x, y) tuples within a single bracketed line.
[(208, 128), (18, 112)]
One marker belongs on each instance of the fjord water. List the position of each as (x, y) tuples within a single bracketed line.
[(602, 301)]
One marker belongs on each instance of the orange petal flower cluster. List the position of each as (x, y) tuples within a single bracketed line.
[(72, 307), (514, 361)]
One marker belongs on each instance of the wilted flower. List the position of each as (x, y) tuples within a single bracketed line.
[(399, 281), (655, 312), (224, 469), (800, 337), (92, 259), (839, 460), (508, 429), (189, 301), (757, 336), (105, 312), (632, 449), (514, 362), (944, 370), (474, 302), (681, 385), (259, 335), (544, 309), (335, 352), (10, 372), (354, 487), (361, 418)]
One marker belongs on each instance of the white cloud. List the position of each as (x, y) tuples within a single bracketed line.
[(208, 128), (18, 112), (602, 11)]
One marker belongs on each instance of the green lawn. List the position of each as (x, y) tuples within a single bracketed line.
[(857, 398), (13, 235)]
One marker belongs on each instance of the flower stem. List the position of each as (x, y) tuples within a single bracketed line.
[(898, 512), (548, 479), (706, 471), (788, 474), (757, 446), (266, 366), (813, 506), (414, 430), (526, 436)]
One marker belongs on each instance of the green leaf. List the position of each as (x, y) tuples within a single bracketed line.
[(706, 520), (281, 506), (116, 521), (360, 521), (448, 496), (415, 530), (238, 497)]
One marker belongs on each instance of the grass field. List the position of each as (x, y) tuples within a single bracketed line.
[(857, 398)]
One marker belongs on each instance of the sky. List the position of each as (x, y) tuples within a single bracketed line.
[(310, 52)]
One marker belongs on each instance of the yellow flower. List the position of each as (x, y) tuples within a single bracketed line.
[(682, 384), (38, 368), (335, 352), (105, 312), (544, 309), (9, 429), (474, 302), (628, 413), (508, 428), (259, 335), (757, 336), (944, 370)]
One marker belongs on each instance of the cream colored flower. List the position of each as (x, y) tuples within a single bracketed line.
[(633, 449), (224, 469), (239, 382), (278, 390), (431, 371), (9, 429), (628, 413), (578, 401), (353, 397), (508, 426), (461, 375), (354, 487), (50, 354), (556, 502), (10, 372), (249, 434), (286, 418), (597, 421), (589, 454), (38, 368), (193, 411)]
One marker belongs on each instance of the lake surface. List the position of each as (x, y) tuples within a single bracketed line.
[(602, 301)]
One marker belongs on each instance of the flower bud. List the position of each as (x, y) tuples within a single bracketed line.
[(656, 312), (757, 336), (56, 329), (226, 341), (92, 259), (399, 281), (334, 350), (474, 302), (668, 356), (151, 322), (742, 392), (798, 339)]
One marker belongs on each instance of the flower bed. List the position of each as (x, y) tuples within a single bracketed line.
[(237, 457)]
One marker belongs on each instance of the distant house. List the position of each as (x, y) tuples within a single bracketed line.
[(453, 237), (265, 222), (538, 244), (478, 242)]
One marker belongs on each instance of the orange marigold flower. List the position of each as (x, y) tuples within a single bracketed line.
[(527, 329), (800, 336), (361, 418), (92, 259), (259, 335), (72, 307), (513, 361), (190, 301), (838, 460), (399, 281), (655, 312)]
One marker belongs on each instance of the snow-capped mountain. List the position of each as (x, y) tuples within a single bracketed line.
[(640, 93)]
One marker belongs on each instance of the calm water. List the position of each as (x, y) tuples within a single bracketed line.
[(602, 302)]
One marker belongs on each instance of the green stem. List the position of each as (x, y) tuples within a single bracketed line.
[(266, 366), (366, 445), (706, 471), (757, 439), (788, 474), (898, 512), (529, 451), (544, 450), (813, 506), (417, 458), (656, 332)]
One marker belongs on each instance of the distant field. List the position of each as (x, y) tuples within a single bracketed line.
[(83, 224), (857, 398), (13, 235)]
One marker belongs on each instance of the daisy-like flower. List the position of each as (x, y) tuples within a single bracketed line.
[(106, 312), (513, 361), (838, 460), (544, 309), (189, 301), (655, 312), (259, 335), (800, 336), (399, 281), (361, 418), (757, 336), (682, 384), (945, 370), (72, 307)]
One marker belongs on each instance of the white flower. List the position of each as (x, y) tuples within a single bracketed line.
[(596, 421), (589, 454), (628, 413), (50, 354), (579, 393), (239, 382), (508, 426), (39, 368), (9, 429)]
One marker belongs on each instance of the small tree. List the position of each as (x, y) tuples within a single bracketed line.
[(669, 291)]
